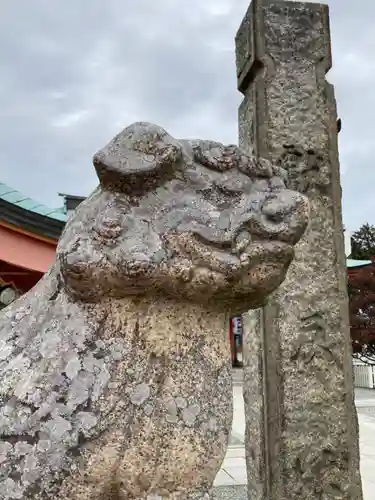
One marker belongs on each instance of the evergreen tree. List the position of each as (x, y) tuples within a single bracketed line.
[(363, 243)]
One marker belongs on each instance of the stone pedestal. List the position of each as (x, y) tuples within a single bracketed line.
[(302, 433)]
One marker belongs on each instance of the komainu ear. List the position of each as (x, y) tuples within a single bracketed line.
[(217, 156), (140, 157)]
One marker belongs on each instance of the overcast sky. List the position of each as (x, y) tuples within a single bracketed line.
[(72, 74)]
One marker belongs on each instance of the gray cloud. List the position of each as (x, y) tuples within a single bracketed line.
[(74, 74)]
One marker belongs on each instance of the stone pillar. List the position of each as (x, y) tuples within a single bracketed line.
[(301, 423)]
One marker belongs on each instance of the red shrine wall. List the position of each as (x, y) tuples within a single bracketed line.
[(24, 257)]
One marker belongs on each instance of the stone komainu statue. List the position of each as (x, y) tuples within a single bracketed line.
[(115, 369)]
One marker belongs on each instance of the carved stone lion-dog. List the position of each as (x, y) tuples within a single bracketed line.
[(115, 369)]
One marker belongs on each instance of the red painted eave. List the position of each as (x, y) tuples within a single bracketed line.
[(24, 251)]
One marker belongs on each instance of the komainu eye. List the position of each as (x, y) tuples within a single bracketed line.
[(108, 228)]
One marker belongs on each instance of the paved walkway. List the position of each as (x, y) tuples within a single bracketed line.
[(233, 471)]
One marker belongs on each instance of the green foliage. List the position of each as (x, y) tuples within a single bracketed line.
[(363, 243)]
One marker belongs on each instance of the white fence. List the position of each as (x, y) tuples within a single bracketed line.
[(364, 375)]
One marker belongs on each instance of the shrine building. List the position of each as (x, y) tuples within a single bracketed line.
[(29, 232)]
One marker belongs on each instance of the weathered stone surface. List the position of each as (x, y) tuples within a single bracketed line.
[(115, 369), (302, 436)]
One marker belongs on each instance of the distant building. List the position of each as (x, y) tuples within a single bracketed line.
[(29, 232), (71, 202)]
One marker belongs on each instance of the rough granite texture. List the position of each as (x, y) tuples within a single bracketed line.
[(301, 424), (115, 369), (229, 492)]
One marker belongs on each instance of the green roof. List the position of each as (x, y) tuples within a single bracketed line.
[(357, 263), (12, 196)]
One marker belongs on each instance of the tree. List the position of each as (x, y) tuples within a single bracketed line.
[(361, 288), (363, 242)]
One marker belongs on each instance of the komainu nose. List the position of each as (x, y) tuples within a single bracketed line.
[(277, 207), (288, 213)]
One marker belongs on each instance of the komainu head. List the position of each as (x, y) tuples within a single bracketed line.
[(193, 220)]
